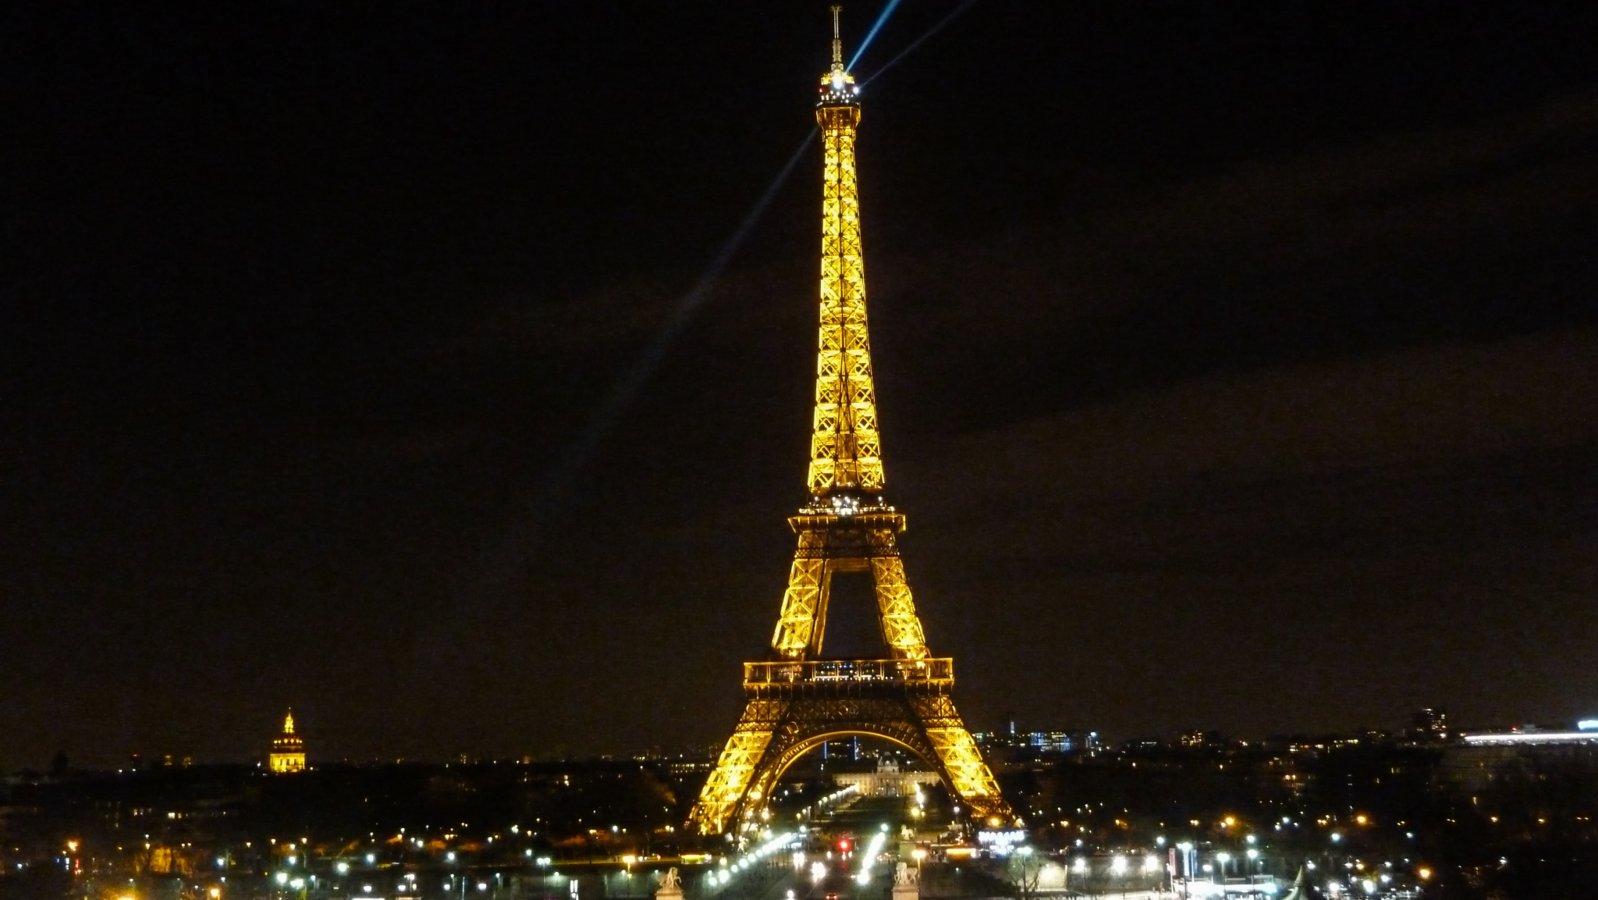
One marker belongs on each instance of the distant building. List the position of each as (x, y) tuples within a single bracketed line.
[(1523, 755), (888, 780), (1038, 742), (1532, 736), (1430, 724), (288, 748)]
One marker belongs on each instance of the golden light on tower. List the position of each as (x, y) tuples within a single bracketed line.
[(845, 449), (288, 748), (799, 698)]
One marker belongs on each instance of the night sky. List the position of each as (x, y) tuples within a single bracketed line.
[(413, 365)]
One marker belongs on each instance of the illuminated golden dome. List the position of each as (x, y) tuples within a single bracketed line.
[(288, 748)]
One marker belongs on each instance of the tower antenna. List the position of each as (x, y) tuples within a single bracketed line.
[(837, 40)]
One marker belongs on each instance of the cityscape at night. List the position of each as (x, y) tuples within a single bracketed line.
[(1416, 811), (426, 475)]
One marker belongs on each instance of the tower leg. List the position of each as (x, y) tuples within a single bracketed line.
[(728, 786)]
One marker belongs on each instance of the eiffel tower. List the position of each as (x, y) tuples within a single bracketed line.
[(797, 698)]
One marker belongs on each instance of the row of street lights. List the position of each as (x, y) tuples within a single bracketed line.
[(1252, 854)]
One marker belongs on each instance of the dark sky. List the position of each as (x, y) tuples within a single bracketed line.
[(1237, 363)]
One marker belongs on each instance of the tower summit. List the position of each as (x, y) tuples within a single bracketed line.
[(797, 699)]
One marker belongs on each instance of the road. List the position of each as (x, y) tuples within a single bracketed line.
[(854, 825)]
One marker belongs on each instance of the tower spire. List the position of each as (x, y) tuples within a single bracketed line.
[(837, 40)]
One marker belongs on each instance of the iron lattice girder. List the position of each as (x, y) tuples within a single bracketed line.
[(829, 544), (923, 720), (728, 785), (845, 447)]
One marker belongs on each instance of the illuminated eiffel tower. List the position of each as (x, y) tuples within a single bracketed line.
[(797, 698)]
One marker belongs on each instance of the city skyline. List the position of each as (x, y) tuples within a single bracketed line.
[(420, 373), (1057, 738)]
